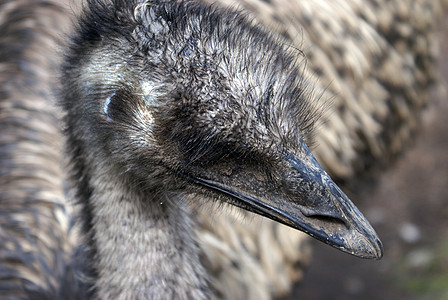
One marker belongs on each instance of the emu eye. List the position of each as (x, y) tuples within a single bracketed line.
[(216, 154)]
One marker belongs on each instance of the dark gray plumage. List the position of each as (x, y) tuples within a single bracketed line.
[(166, 106), (165, 99)]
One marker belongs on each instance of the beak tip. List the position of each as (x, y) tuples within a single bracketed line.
[(364, 247), (379, 250)]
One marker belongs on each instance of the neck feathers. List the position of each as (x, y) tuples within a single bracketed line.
[(144, 245)]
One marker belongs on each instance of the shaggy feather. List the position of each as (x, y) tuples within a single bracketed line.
[(344, 43)]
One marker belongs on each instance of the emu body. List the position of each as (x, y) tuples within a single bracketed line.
[(167, 110)]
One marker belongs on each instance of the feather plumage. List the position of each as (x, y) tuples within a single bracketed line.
[(376, 113)]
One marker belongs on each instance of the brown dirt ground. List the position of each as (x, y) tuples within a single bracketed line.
[(410, 213)]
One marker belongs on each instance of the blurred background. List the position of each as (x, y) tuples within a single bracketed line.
[(408, 207)]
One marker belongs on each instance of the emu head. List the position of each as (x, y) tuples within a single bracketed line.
[(181, 98)]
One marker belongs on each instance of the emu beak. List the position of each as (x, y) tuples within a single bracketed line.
[(304, 197)]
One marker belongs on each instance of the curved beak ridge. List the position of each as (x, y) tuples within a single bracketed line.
[(304, 197)]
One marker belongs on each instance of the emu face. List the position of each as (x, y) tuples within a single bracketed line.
[(181, 98)]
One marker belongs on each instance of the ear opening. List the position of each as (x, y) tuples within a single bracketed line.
[(106, 106)]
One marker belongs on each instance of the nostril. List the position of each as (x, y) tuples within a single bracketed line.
[(325, 218), (330, 221)]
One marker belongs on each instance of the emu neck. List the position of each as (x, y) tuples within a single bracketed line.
[(144, 245)]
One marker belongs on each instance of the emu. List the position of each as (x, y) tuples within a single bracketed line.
[(166, 110)]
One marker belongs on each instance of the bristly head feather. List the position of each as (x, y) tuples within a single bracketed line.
[(173, 98), (181, 77)]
